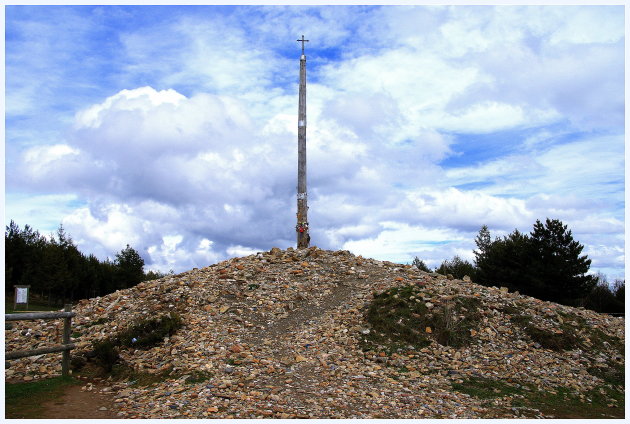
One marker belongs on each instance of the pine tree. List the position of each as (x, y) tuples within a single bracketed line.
[(558, 265), (418, 263), (457, 267), (546, 264), (482, 259), (130, 267), (483, 243)]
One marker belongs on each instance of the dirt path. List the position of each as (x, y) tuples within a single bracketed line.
[(78, 403), (303, 380)]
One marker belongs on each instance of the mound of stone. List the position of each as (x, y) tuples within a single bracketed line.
[(327, 334)]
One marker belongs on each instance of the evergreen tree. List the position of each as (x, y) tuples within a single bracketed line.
[(558, 267), (57, 271), (504, 261), (130, 267), (482, 259), (604, 299), (483, 243), (457, 267), (418, 263), (547, 264), (619, 288)]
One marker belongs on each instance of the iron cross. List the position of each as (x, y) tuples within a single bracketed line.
[(303, 40)]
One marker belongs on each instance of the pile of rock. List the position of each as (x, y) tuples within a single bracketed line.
[(279, 334)]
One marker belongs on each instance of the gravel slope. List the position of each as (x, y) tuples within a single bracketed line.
[(280, 334)]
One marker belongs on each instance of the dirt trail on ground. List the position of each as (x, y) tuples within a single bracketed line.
[(301, 376), (78, 403)]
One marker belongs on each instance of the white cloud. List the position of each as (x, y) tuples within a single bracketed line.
[(239, 251), (126, 100), (491, 116), (38, 158), (401, 242), (590, 168), (199, 161), (585, 25), (465, 210), (120, 227)]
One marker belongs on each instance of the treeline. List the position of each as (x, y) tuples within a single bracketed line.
[(547, 264), (59, 273)]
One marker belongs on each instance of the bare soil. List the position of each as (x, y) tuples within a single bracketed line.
[(78, 403)]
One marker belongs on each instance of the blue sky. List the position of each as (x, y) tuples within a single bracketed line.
[(174, 128)]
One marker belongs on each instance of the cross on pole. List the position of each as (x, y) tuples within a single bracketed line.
[(303, 237), (303, 41)]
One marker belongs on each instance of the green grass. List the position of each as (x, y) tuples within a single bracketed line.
[(614, 374), (561, 402), (486, 388), (24, 400), (574, 328), (399, 319), (139, 378), (198, 377), (32, 307)]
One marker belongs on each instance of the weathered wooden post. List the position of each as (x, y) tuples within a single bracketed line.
[(65, 347), (65, 359), (303, 237)]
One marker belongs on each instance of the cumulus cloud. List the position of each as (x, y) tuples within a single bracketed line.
[(190, 156)]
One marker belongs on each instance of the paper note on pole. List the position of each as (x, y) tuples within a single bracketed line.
[(21, 295)]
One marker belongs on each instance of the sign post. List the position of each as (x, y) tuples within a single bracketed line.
[(21, 296)]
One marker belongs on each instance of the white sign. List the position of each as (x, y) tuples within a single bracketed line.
[(21, 295)]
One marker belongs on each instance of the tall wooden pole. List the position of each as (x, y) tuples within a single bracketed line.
[(303, 237)]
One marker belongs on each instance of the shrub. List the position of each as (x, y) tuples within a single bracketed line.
[(106, 354), (454, 320), (150, 332), (144, 334)]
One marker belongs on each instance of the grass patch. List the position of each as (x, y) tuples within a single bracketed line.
[(575, 331), (561, 402), (485, 388), (565, 403), (32, 307), (614, 374), (453, 321), (600, 339), (139, 378), (198, 377), (567, 340), (25, 400), (400, 319)]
